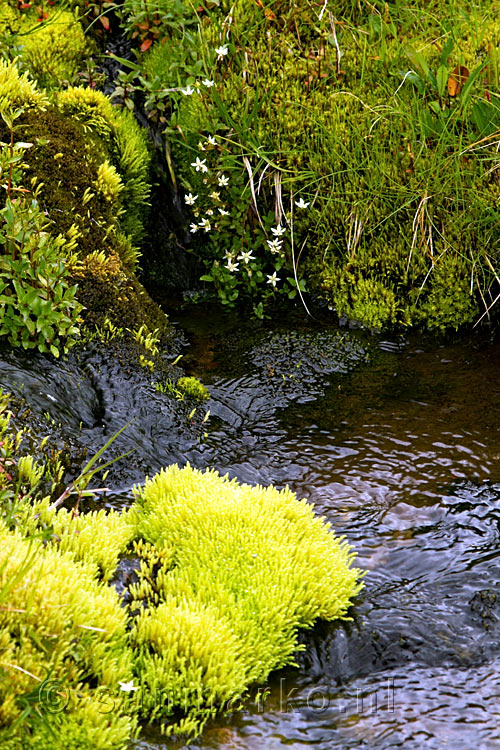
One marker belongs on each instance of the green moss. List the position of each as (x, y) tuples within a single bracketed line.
[(89, 164), (55, 48), (127, 146), (18, 90), (395, 171), (228, 574), (9, 19), (193, 388), (234, 572), (62, 624)]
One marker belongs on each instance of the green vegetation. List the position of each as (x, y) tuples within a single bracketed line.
[(238, 570), (348, 151), (75, 170), (193, 388), (228, 574), (353, 147)]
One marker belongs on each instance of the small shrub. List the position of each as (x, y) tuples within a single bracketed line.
[(38, 306)]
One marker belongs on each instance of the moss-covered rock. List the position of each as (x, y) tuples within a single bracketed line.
[(63, 639), (88, 164), (225, 576), (226, 563)]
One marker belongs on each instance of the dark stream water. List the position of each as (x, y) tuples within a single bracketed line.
[(397, 443)]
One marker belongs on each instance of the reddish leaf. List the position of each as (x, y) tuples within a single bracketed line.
[(105, 22), (146, 45), (457, 79)]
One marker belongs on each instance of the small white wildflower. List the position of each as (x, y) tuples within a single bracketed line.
[(201, 146), (246, 257), (228, 255), (210, 212), (193, 228), (206, 82), (212, 140), (279, 231), (215, 195), (127, 687), (189, 199), (222, 181), (221, 51), (205, 224), (199, 165), (187, 91), (274, 245), (273, 279), (223, 212), (301, 203), (231, 266)]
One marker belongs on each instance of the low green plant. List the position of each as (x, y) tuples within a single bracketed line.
[(193, 388), (369, 180), (53, 47), (149, 340), (59, 625), (231, 572), (38, 305), (228, 574)]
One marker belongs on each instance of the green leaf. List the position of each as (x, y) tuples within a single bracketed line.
[(442, 79), (447, 50)]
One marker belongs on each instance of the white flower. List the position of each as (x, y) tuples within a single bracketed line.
[(274, 245), (272, 279), (212, 140), (215, 195), (201, 146), (278, 231), (301, 203), (127, 687), (187, 91), (231, 266), (208, 83), (199, 165), (221, 51), (193, 228), (222, 181), (246, 257), (205, 224), (223, 212), (189, 199)]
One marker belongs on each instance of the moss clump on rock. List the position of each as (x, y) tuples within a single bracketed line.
[(193, 388), (226, 563), (59, 623), (88, 165), (225, 576)]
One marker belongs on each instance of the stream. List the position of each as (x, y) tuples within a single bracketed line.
[(397, 443)]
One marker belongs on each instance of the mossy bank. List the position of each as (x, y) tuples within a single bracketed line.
[(349, 150), (225, 576)]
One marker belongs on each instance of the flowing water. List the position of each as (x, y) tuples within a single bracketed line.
[(397, 443)]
